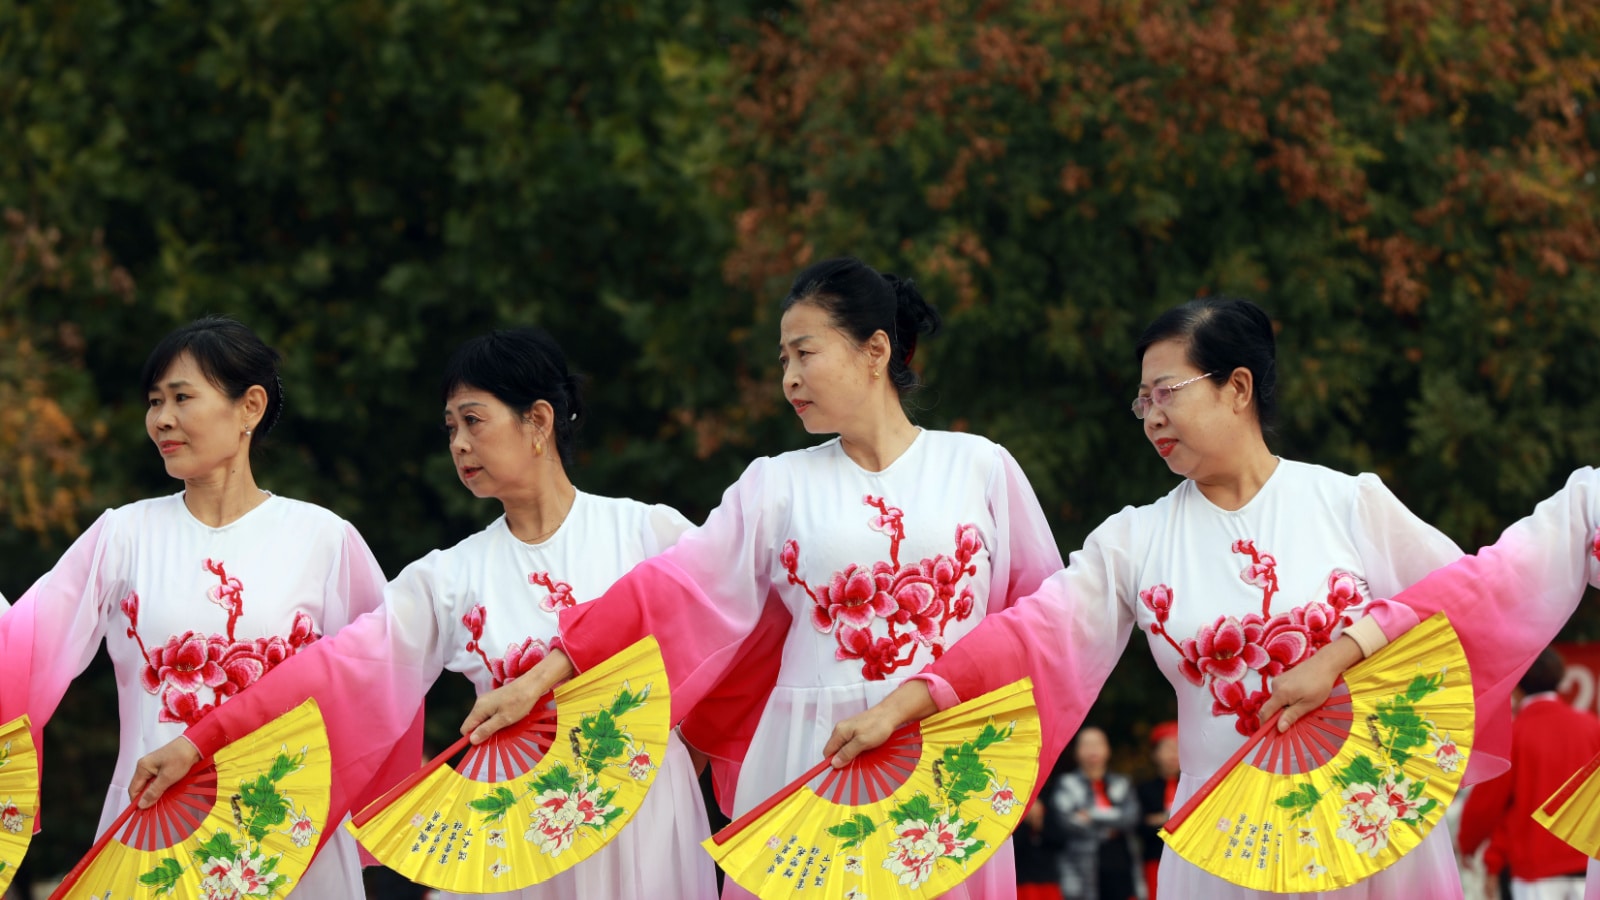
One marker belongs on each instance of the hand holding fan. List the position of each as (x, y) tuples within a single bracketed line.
[(19, 795), (1351, 787), (1573, 813), (911, 818), (537, 798), (244, 824)]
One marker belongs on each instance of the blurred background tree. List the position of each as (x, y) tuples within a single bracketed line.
[(1406, 185)]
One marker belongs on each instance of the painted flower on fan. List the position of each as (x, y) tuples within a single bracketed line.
[(519, 659), (1307, 836), (920, 845), (1158, 600), (852, 864), (1222, 651), (1224, 825), (1371, 810), (417, 820), (247, 875), (1002, 798), (558, 815), (11, 817), (496, 837), (1446, 754), (773, 843), (1313, 869), (639, 763), (301, 831), (855, 893), (498, 867)]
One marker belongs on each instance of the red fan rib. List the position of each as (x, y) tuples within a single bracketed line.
[(175, 816), (512, 752)]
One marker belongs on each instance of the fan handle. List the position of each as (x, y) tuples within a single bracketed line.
[(82, 868), (415, 778)]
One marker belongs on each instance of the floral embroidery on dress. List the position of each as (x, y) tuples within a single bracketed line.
[(1595, 550), (1223, 653), (192, 672), (518, 659), (560, 596), (917, 601)]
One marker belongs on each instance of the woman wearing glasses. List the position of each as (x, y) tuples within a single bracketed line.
[(1245, 570)]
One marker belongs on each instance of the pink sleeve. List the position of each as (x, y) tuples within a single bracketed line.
[(700, 599), (369, 679), (1067, 637), (64, 612), (1508, 602)]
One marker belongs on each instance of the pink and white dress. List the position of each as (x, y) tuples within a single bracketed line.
[(1510, 599), (858, 578), (1226, 599), (488, 608), (191, 616)]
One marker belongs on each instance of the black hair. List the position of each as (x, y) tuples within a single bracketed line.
[(1222, 334), (1545, 673), (230, 355), (520, 366), (862, 302)]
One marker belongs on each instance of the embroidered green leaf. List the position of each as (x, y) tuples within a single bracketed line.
[(964, 773), (164, 877), (1360, 771), (853, 830), (1302, 799), (990, 735), (628, 701), (218, 846), (556, 778), (494, 805), (919, 807)]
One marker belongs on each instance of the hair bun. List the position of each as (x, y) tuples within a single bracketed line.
[(913, 315)]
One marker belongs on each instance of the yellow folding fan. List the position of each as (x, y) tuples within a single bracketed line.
[(245, 824), (911, 818), (1351, 787), (538, 797), (19, 795), (1573, 813)]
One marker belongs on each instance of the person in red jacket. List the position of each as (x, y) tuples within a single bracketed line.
[(1549, 741)]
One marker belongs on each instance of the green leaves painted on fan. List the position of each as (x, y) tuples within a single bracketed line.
[(1301, 799), (1360, 771), (964, 773), (853, 830), (605, 738), (919, 807), (164, 877), (495, 804), (267, 806), (627, 701), (990, 735), (557, 778)]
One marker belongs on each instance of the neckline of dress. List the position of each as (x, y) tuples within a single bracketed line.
[(552, 537), (910, 448), (1265, 486), (216, 528)]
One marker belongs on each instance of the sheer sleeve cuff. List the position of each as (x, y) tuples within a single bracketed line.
[(1368, 635)]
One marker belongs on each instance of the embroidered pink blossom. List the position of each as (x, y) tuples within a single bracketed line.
[(919, 845), (968, 542), (879, 655), (1596, 549), (130, 608), (962, 608), (853, 599), (789, 558), (888, 519), (519, 659), (303, 631), (1232, 698), (1246, 547), (1344, 590), (187, 662), (560, 596), (244, 664), (1222, 651), (1285, 641), (473, 620), (1261, 572), (1158, 600)]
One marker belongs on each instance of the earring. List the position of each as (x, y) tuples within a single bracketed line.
[(538, 448), (876, 373), (249, 431)]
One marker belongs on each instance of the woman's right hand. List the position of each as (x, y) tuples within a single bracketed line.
[(511, 703), (910, 702)]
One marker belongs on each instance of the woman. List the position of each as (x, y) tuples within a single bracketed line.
[(878, 550), (1098, 811), (1155, 800), (510, 409), (1237, 576), (199, 594)]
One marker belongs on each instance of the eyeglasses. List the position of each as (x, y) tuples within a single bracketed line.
[(1161, 395)]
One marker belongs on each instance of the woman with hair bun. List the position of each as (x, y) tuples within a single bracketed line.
[(487, 608), (827, 575), (199, 594), (1252, 578)]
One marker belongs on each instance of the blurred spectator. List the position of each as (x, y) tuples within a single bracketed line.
[(1549, 742), (1097, 811), (1155, 799), (1037, 843)]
